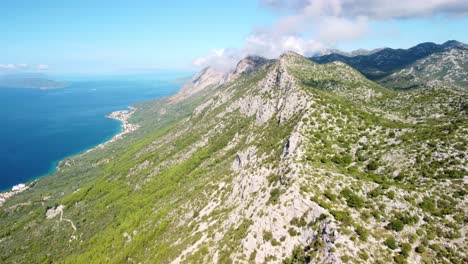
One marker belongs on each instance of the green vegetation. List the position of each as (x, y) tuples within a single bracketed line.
[(391, 243), (396, 225), (334, 155), (353, 200)]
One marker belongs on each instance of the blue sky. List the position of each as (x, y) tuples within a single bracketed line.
[(116, 36)]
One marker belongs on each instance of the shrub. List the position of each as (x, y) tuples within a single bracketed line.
[(363, 255), (396, 224), (274, 196), (362, 233), (373, 165), (391, 243), (375, 193), (299, 222), (428, 204), (298, 256), (275, 242), (342, 160), (390, 195), (330, 196), (405, 249), (352, 199), (292, 231), (420, 232), (420, 249), (267, 235), (342, 216), (345, 258), (253, 255), (362, 157), (399, 259)]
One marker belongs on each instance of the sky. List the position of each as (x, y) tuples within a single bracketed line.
[(88, 36)]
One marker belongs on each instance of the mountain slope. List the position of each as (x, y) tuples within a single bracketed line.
[(448, 68), (384, 62), (290, 161)]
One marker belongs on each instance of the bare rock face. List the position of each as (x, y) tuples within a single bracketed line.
[(54, 212), (292, 144), (211, 78), (329, 237), (243, 158), (247, 65), (277, 93), (279, 76), (208, 77)]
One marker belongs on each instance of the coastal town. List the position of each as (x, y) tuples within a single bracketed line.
[(19, 188), (123, 116)]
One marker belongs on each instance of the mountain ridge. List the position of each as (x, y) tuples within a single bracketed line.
[(290, 162), (382, 63)]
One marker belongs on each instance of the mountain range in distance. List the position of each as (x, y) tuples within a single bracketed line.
[(383, 64), (29, 80)]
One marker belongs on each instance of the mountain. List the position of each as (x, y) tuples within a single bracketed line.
[(29, 80), (279, 161), (382, 63), (348, 54), (447, 68), (212, 78)]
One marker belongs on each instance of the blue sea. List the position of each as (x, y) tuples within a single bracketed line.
[(41, 127)]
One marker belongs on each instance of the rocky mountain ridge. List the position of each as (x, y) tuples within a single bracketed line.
[(290, 161), (447, 68), (380, 64)]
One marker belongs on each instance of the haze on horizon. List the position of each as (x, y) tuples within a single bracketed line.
[(122, 36)]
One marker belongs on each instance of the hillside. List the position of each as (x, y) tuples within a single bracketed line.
[(281, 161), (448, 68), (384, 62)]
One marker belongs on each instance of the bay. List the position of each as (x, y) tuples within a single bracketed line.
[(38, 128)]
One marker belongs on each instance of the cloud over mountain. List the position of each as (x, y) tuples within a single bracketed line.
[(308, 26)]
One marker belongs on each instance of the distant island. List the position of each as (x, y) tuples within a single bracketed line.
[(29, 80)]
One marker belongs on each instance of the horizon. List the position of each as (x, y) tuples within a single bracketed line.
[(108, 38)]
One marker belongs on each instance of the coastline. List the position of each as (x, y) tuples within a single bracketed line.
[(126, 127), (122, 116)]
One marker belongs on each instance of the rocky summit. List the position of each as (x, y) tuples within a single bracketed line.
[(278, 161)]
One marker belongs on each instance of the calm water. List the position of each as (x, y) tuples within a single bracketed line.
[(41, 127)]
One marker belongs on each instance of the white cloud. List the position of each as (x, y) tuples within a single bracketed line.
[(22, 67), (42, 67), (308, 26), (374, 9), (332, 29)]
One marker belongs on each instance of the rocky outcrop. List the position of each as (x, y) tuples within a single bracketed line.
[(211, 78), (277, 93), (243, 158), (207, 78), (292, 144), (247, 65), (54, 212)]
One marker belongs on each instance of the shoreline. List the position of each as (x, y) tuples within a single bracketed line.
[(122, 116), (126, 127)]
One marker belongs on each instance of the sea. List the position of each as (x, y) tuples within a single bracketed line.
[(39, 128)]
